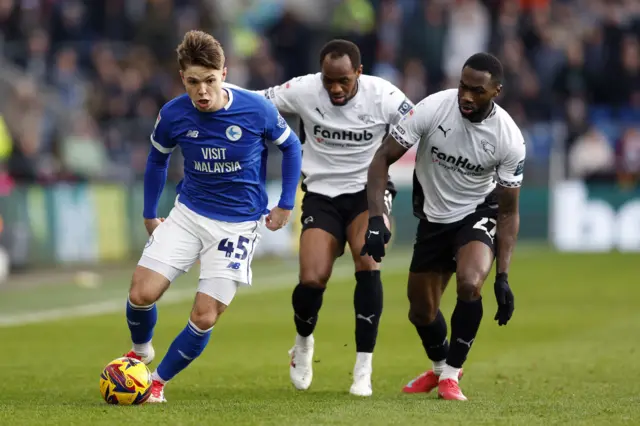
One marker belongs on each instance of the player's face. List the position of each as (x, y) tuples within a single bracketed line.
[(340, 79), (204, 86), (475, 93)]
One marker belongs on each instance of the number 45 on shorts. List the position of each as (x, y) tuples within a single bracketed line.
[(238, 251)]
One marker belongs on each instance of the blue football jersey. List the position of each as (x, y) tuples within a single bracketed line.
[(224, 153)]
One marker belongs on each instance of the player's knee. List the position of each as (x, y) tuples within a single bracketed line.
[(315, 280), (145, 288), (422, 317), (469, 283), (205, 318), (422, 312)]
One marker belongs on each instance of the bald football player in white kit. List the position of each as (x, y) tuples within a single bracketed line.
[(468, 172), (344, 117)]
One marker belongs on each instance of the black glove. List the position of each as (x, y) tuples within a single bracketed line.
[(377, 236), (504, 297)]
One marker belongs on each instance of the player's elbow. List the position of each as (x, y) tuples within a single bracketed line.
[(157, 159), (291, 146)]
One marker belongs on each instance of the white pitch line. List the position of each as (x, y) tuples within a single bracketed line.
[(266, 283)]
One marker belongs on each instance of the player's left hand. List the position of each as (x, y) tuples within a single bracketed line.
[(152, 224), (277, 218), (504, 297), (378, 235)]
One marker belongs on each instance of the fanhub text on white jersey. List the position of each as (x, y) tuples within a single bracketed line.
[(459, 163), (339, 141)]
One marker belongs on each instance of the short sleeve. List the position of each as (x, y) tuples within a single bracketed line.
[(415, 124), (161, 138), (276, 128), (395, 105), (286, 97), (511, 169)]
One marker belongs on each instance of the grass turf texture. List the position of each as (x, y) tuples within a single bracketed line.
[(567, 357)]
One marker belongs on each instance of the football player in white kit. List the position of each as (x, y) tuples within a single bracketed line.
[(468, 172), (344, 116)]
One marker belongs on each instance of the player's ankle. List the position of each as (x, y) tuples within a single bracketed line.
[(304, 341), (142, 349), (157, 378), (364, 360), (449, 372), (438, 366)]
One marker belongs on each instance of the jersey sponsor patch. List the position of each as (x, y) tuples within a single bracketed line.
[(508, 184), (519, 168), (281, 122), (270, 93), (398, 134), (404, 107)]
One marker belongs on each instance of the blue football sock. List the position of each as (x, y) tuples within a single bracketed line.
[(185, 348), (141, 321)]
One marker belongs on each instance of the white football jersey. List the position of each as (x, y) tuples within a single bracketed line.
[(339, 141), (458, 163)]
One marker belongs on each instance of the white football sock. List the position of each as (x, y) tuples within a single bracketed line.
[(438, 366), (304, 341), (364, 360), (142, 349), (154, 376), (448, 372)]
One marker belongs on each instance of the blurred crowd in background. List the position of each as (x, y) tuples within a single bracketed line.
[(81, 82)]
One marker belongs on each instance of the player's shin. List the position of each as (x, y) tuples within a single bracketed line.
[(141, 321), (306, 301), (185, 348), (434, 340), (367, 302), (465, 322)]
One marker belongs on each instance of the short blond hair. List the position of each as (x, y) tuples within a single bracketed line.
[(200, 49)]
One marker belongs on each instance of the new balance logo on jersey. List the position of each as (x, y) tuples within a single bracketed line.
[(342, 135), (192, 134), (462, 164), (443, 130), (233, 265)]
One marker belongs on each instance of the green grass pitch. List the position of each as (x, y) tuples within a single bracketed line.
[(569, 355)]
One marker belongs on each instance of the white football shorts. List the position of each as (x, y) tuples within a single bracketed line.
[(225, 250)]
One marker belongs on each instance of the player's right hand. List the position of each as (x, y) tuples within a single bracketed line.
[(152, 224), (504, 297), (378, 235), (277, 218)]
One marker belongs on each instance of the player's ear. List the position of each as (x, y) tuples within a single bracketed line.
[(181, 76), (359, 70), (224, 73), (498, 90)]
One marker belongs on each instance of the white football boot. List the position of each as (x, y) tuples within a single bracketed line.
[(362, 375), (300, 367)]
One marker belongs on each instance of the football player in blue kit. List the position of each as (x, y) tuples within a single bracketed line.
[(223, 133)]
